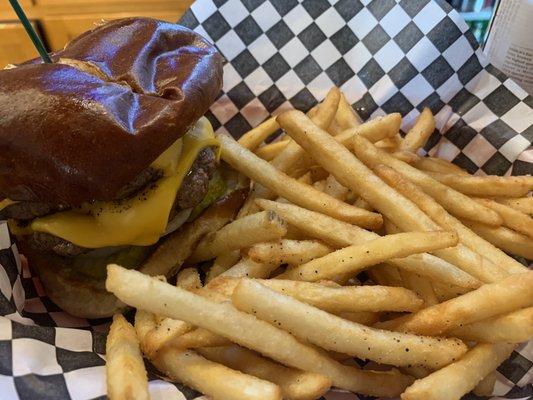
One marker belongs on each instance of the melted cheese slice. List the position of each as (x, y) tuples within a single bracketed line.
[(140, 220)]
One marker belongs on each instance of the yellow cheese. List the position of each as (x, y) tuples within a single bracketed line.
[(6, 202), (140, 220)]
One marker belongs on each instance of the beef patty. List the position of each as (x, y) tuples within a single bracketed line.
[(192, 190)]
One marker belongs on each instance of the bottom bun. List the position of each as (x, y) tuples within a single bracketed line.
[(77, 294)]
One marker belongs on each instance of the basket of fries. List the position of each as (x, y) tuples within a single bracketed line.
[(381, 250)]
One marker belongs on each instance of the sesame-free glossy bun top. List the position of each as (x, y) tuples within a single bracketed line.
[(113, 100)]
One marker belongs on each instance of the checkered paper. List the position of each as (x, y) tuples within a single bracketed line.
[(386, 56)]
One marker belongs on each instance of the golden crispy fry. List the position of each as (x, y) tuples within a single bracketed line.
[(335, 189), (361, 317), (515, 327), (405, 156), (288, 251), (142, 291), (341, 234), (163, 334), (487, 186), (269, 151), (189, 278), (320, 186), (374, 130), (421, 286), (524, 204), (333, 333), (144, 323), (436, 269), (306, 178), (126, 375), (433, 164), (199, 338), (357, 257), (243, 232), (504, 238), (459, 378), (212, 379), (294, 191), (337, 299), (489, 300), (455, 202), (253, 139), (362, 203), (512, 218), (346, 116), (248, 267), (385, 275), (177, 247), (294, 384), (490, 272), (222, 263), (486, 386), (418, 135)]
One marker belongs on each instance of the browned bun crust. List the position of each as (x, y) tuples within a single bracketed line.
[(70, 134)]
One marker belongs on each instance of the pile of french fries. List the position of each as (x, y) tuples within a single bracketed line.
[(285, 309)]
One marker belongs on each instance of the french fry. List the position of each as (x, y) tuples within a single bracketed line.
[(306, 178), (385, 275), (524, 204), (333, 333), (337, 299), (294, 384), (269, 151), (508, 295), (222, 263), (361, 317), (421, 286), (189, 278), (335, 189), (459, 378), (357, 257), (418, 135), (250, 268), (213, 379), (294, 191), (362, 203), (486, 386), (374, 130), (144, 323), (405, 156), (491, 272), (199, 338), (504, 238), (320, 186), (243, 232), (341, 234), (455, 202), (177, 247), (163, 334), (253, 139), (512, 218), (126, 374), (288, 251), (515, 327), (346, 117), (433, 164), (438, 270), (486, 186), (144, 292)]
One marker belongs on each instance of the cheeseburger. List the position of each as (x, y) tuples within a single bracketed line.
[(106, 151)]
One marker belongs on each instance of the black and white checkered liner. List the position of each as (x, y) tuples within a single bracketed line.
[(386, 56)]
